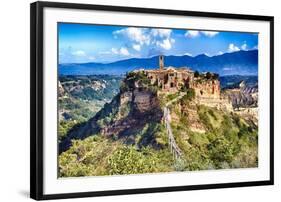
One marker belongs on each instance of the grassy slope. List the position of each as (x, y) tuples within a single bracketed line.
[(229, 142)]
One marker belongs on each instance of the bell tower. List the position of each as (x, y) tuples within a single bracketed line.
[(161, 62)]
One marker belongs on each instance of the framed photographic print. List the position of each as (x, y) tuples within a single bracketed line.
[(134, 100)]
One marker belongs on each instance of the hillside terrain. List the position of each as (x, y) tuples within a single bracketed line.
[(130, 132), (81, 97)]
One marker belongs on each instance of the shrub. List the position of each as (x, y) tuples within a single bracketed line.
[(199, 140), (64, 127), (128, 160), (172, 96), (208, 75), (190, 94), (215, 76)]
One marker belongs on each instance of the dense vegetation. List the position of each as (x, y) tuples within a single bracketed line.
[(141, 79), (98, 155), (229, 141)]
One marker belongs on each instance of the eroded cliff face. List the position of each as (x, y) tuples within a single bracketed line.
[(136, 108), (61, 90), (122, 118), (243, 96)]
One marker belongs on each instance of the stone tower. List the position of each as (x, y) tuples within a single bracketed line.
[(161, 62)]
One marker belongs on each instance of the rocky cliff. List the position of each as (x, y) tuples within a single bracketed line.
[(242, 95), (130, 110)]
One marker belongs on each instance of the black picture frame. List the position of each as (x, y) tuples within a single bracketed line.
[(36, 98)]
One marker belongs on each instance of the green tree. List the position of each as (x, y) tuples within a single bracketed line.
[(208, 75)]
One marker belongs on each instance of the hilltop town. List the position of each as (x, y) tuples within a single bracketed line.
[(205, 85)]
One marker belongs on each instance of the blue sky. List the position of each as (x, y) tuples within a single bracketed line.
[(80, 43)]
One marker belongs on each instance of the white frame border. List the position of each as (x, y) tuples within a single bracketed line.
[(53, 185)]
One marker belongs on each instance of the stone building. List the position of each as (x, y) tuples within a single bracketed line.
[(170, 79), (207, 88), (206, 85)]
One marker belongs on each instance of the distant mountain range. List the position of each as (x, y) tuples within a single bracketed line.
[(238, 63)]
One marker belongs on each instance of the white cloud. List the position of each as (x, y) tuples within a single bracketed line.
[(105, 52), (79, 53), (195, 33), (137, 47), (209, 33), (220, 53), (191, 34), (115, 51), (188, 54), (122, 51), (162, 33), (91, 57), (144, 36), (162, 38), (255, 47), (227, 68), (233, 48), (165, 44), (135, 34), (244, 47)]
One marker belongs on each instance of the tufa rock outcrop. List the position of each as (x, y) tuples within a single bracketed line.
[(135, 106)]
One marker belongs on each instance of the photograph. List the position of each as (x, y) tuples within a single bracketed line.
[(135, 100)]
